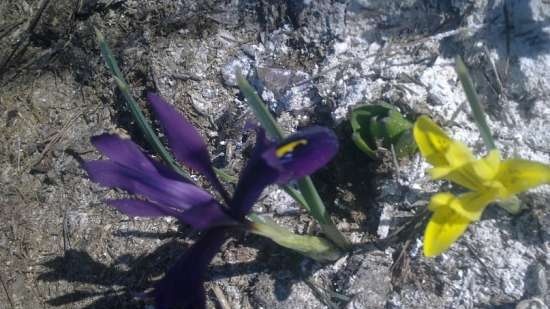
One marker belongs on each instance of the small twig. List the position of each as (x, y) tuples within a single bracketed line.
[(495, 71), (66, 232), (410, 228), (220, 296), (36, 17), (320, 294), (21, 46), (6, 291), (55, 139), (400, 267), (18, 155), (4, 32), (478, 258), (395, 163), (456, 113)]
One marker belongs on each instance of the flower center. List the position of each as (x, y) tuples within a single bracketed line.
[(286, 149)]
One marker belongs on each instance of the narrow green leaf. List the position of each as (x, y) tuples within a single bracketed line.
[(475, 105), (297, 196), (260, 109), (148, 132), (318, 211), (360, 143), (314, 247)]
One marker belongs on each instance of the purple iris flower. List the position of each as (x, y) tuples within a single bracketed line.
[(159, 191)]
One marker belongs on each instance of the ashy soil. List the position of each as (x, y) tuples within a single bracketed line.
[(311, 61)]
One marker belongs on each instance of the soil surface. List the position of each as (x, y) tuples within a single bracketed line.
[(311, 61)]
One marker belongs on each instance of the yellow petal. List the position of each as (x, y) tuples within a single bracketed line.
[(431, 140), (440, 200), (466, 176), (517, 175), (472, 204), (444, 228), (458, 154), (469, 205), (487, 167), (439, 172), (477, 175)]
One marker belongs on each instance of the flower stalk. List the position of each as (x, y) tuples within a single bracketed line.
[(475, 105)]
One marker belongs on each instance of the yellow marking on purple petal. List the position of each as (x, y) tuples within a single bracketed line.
[(289, 147)]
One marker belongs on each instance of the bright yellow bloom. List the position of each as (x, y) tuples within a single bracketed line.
[(488, 179)]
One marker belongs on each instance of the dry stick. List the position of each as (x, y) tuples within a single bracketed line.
[(30, 29), (401, 263), (4, 32), (395, 163), (320, 295), (6, 291), (57, 137), (411, 226)]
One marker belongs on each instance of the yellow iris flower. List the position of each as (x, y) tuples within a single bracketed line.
[(489, 179)]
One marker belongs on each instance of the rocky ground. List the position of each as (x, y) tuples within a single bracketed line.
[(311, 61)]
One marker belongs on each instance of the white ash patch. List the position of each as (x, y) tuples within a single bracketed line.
[(280, 203)]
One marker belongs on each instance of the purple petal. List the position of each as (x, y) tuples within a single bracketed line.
[(185, 142), (254, 178), (152, 185), (303, 153), (182, 286), (122, 151), (297, 156), (125, 152), (200, 217), (138, 208)]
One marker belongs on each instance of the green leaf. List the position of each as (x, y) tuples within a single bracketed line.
[(395, 124), (148, 132), (381, 124), (260, 109), (475, 105), (314, 247), (405, 144)]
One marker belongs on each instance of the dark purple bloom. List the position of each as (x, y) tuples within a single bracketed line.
[(162, 192)]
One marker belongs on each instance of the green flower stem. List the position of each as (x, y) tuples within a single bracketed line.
[(311, 200), (135, 110), (318, 211), (477, 110), (314, 247)]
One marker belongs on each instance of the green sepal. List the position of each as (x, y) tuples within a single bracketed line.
[(511, 205)]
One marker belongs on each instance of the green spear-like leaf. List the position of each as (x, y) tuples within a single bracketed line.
[(475, 105), (148, 132)]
